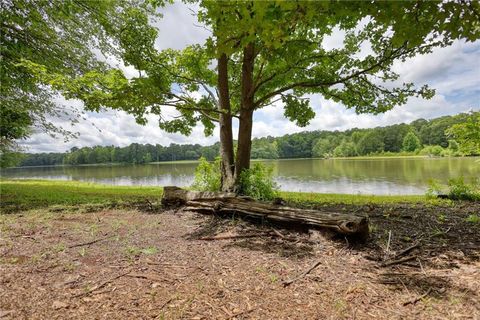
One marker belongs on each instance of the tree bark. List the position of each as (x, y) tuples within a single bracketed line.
[(228, 203), (246, 113), (225, 123)]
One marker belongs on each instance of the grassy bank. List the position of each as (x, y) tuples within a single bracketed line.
[(28, 194)]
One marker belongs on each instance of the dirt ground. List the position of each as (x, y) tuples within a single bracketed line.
[(121, 264)]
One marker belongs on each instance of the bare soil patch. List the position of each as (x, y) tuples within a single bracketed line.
[(118, 264)]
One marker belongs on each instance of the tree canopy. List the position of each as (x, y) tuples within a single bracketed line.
[(65, 37)]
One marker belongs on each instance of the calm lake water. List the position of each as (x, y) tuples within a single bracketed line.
[(371, 176)]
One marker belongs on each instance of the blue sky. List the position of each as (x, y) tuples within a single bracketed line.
[(453, 71)]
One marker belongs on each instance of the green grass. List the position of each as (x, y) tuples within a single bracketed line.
[(354, 199), (31, 194)]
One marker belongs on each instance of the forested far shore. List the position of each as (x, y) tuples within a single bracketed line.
[(420, 137)]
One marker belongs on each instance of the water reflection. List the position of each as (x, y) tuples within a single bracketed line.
[(373, 176)]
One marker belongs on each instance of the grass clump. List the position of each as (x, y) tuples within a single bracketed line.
[(473, 218), (457, 189), (460, 190)]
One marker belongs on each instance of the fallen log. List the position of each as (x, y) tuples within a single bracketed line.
[(228, 204)]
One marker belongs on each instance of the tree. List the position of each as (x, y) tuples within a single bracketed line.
[(321, 148), (467, 134), (345, 149), (411, 142), (64, 37), (372, 142), (266, 52)]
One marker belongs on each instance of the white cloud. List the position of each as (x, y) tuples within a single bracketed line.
[(454, 71)]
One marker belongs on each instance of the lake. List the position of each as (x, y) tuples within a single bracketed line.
[(355, 176)]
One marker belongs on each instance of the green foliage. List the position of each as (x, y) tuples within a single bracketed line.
[(457, 189), (59, 38), (460, 190), (207, 175), (10, 159), (323, 148), (467, 134), (411, 142), (264, 148), (345, 149), (453, 145), (257, 182), (432, 151), (371, 142), (473, 218)]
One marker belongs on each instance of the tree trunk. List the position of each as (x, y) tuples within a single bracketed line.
[(225, 122), (228, 203), (246, 113)]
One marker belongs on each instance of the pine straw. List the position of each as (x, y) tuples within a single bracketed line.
[(156, 266)]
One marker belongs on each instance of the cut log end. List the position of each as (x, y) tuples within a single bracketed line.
[(228, 203)]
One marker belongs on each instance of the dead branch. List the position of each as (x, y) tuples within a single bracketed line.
[(278, 233), (89, 243), (398, 261), (407, 250), (289, 282)]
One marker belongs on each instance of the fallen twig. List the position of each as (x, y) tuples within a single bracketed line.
[(289, 282), (398, 261), (89, 243), (103, 284), (413, 301), (407, 250), (148, 277), (278, 233)]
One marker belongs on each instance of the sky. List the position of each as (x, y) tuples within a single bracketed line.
[(453, 71)]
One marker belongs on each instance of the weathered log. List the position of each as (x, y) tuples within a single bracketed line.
[(229, 203)]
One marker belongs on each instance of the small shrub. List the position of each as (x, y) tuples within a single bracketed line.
[(473, 218), (207, 175), (459, 190), (257, 182)]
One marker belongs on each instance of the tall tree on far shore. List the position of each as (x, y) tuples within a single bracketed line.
[(266, 52), (411, 142)]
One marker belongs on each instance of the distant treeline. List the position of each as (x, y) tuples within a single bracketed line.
[(419, 137)]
